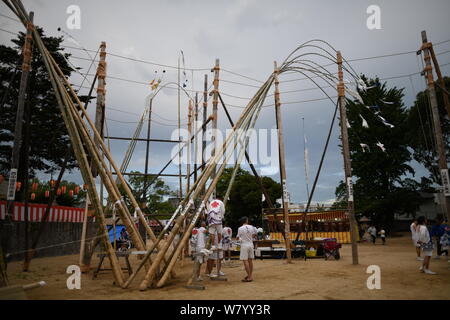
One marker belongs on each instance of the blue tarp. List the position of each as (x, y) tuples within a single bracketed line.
[(111, 232)]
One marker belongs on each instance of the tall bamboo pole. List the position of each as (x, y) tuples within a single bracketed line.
[(282, 161), (179, 135), (196, 137), (437, 124), (347, 160), (215, 102), (205, 111)]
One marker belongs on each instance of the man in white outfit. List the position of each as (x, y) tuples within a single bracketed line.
[(216, 213), (246, 234), (424, 239)]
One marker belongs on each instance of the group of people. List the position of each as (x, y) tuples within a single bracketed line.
[(423, 241), (219, 235), (372, 231)]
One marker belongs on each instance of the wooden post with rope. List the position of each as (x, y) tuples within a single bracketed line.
[(282, 162), (347, 160), (437, 123)]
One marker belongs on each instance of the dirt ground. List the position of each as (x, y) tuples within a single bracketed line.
[(273, 279)]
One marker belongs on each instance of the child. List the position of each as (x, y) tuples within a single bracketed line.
[(226, 240), (426, 243), (382, 234), (216, 212)]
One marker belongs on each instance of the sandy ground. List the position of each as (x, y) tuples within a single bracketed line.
[(273, 279)]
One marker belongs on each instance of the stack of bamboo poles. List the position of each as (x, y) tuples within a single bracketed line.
[(194, 203)]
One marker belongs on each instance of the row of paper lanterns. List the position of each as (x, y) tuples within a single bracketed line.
[(59, 191)]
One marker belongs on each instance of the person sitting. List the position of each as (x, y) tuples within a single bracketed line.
[(124, 240)]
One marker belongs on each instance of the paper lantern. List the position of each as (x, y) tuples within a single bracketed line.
[(18, 185), (2, 178), (52, 183), (77, 189), (47, 193), (85, 186), (71, 193), (34, 186), (63, 189), (33, 196), (58, 192)]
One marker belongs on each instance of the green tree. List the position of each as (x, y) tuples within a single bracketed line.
[(48, 135), (155, 194), (246, 195), (421, 135), (380, 188)]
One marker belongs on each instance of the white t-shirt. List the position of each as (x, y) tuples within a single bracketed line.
[(260, 230), (216, 212), (413, 227), (382, 233), (246, 234), (372, 231), (201, 243), (422, 234), (227, 232)]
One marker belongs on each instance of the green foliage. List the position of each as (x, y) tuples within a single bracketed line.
[(421, 134), (380, 188), (48, 138), (154, 195), (245, 196)]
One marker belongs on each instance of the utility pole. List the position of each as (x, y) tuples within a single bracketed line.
[(347, 161), (281, 156), (441, 82), (196, 136), (437, 123), (188, 148), (85, 256), (5, 225), (215, 102)]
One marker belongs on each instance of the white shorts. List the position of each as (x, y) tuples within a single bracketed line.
[(226, 246), (213, 256), (427, 253), (247, 252), (215, 228), (415, 242)]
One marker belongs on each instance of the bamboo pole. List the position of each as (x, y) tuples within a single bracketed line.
[(205, 111), (243, 120), (196, 136), (215, 102), (347, 160), (281, 155)]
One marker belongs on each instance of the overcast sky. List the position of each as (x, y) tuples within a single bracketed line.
[(247, 36)]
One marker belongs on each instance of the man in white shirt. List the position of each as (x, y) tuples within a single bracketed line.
[(246, 234), (373, 233), (216, 212)]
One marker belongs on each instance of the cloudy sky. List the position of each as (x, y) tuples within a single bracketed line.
[(247, 36)]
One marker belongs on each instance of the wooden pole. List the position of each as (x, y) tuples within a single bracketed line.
[(179, 135), (282, 161), (440, 79), (188, 148), (100, 107), (347, 161), (205, 111), (215, 102), (144, 194), (84, 267), (196, 137), (437, 124)]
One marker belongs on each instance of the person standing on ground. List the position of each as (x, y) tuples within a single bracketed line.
[(382, 234), (216, 213), (198, 242), (437, 231), (426, 244), (217, 257), (227, 233), (246, 234), (373, 233), (414, 227)]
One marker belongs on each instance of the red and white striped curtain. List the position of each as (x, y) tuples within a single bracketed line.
[(37, 211)]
